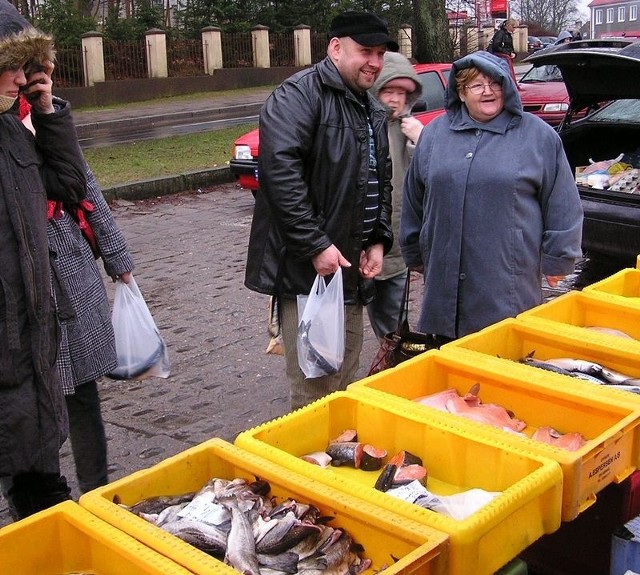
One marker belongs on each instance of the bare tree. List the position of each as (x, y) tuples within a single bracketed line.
[(551, 15)]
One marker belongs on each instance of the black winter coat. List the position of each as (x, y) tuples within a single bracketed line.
[(502, 42), (32, 411), (313, 170)]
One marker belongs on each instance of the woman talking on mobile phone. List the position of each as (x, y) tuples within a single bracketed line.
[(32, 168)]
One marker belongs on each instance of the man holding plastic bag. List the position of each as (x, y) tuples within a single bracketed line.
[(322, 214)]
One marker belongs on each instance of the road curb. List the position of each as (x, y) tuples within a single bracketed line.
[(156, 187)]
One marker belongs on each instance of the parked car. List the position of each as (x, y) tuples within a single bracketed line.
[(434, 78), (543, 93), (547, 40), (596, 71), (533, 43)]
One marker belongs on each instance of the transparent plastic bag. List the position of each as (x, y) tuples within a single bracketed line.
[(320, 341), (141, 351)]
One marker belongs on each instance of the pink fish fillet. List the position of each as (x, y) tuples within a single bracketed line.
[(488, 413), (438, 400), (571, 441)]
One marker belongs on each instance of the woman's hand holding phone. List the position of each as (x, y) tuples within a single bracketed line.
[(38, 89)]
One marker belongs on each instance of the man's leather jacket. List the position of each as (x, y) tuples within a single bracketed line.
[(313, 169)]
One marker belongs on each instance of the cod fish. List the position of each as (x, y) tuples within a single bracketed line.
[(241, 546), (237, 522)]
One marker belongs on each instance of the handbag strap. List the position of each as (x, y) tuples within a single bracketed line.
[(403, 317)]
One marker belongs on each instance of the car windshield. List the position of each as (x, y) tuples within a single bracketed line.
[(547, 73), (623, 111)]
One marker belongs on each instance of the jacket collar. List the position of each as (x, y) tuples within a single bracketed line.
[(330, 77)]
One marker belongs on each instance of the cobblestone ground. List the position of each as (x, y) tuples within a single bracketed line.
[(190, 252)]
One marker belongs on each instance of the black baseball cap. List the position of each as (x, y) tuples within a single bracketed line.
[(365, 28)]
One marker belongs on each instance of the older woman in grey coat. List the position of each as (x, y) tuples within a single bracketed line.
[(490, 204)]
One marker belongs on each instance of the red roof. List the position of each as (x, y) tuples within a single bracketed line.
[(597, 3)]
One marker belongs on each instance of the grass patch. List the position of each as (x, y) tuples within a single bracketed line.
[(146, 159)]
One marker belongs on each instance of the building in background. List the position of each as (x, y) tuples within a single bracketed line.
[(614, 19)]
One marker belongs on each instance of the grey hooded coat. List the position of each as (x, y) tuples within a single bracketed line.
[(488, 208), (400, 149)]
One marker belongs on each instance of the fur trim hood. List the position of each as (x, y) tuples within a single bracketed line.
[(20, 42)]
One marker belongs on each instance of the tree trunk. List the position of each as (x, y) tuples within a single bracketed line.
[(433, 42)]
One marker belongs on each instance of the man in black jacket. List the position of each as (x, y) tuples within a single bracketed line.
[(32, 411), (325, 194)]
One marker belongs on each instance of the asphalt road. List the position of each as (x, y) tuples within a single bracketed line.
[(175, 116)]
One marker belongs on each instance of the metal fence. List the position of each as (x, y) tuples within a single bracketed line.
[(281, 49), (185, 58), (124, 60), (69, 71), (319, 42), (237, 51)]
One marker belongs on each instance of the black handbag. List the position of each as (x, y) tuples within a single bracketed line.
[(401, 344)]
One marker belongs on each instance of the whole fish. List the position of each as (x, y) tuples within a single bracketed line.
[(610, 331), (582, 369), (594, 369), (154, 505), (314, 356), (529, 360), (241, 546), (236, 521), (203, 536), (286, 562)]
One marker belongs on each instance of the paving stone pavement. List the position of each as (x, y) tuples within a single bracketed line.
[(189, 250)]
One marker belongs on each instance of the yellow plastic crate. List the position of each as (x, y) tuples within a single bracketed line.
[(510, 340), (531, 486), (67, 538), (588, 309), (612, 427), (404, 547), (623, 287)]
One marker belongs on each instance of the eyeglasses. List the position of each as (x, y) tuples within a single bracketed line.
[(479, 88)]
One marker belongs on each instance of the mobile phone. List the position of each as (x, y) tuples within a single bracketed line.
[(31, 68)]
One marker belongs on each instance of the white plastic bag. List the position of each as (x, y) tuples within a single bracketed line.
[(141, 351), (320, 341)]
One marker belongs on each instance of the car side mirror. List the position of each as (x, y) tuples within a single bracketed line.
[(419, 106)]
